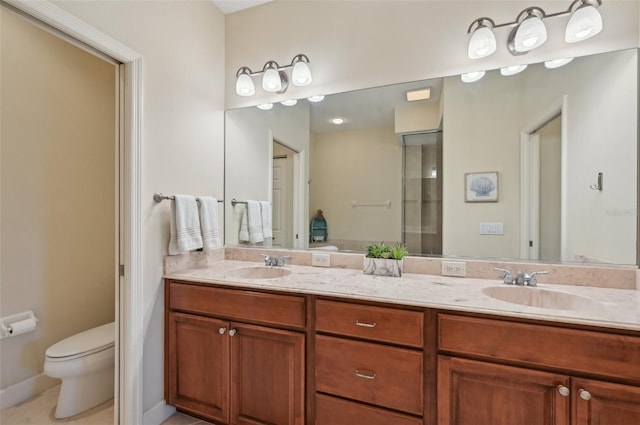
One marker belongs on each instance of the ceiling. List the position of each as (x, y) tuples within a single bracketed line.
[(230, 6)]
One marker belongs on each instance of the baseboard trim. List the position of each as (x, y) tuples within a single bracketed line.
[(23, 391), (158, 413)]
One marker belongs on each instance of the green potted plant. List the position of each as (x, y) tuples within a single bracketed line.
[(385, 260)]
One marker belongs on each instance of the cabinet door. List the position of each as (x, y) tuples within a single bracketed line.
[(479, 393), (603, 403), (199, 365), (267, 376)]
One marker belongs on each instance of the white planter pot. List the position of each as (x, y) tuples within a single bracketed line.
[(382, 266)]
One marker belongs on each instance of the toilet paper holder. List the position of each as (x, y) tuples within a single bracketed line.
[(17, 324)]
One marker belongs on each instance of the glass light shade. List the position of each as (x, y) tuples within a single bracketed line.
[(482, 43), (265, 106), (245, 86), (512, 70), (557, 63), (471, 77), (271, 81), (584, 23), (301, 74), (531, 33), (289, 102), (314, 99)]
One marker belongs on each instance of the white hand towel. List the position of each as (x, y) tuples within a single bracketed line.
[(185, 225), (243, 236), (209, 223), (255, 222), (265, 211)]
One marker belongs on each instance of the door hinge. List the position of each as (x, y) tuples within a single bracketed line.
[(121, 270), (530, 244)]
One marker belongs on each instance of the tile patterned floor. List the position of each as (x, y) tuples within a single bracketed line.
[(40, 410)]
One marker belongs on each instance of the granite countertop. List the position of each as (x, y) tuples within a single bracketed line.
[(603, 307)]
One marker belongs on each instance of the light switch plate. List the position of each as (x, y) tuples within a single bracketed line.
[(454, 268), (320, 260), (492, 228)]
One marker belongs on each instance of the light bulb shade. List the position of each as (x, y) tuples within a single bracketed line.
[(244, 85), (528, 35), (301, 74), (315, 99), (271, 80), (557, 63), (471, 77), (512, 70), (289, 102), (482, 43), (265, 106), (585, 22)]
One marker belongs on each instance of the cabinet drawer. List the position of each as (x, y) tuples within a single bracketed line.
[(373, 373), (596, 353), (376, 323), (243, 305), (335, 411)]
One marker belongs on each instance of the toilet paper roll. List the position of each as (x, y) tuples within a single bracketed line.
[(22, 326)]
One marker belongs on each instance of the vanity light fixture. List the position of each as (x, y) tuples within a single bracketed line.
[(315, 99), (557, 63), (265, 106), (419, 94), (289, 102), (529, 30), (472, 77), (274, 76), (512, 70)]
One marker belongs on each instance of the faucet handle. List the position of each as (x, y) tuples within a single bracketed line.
[(280, 260), (532, 281), (507, 277), (268, 260)]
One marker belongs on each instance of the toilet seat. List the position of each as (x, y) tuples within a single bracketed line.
[(84, 343)]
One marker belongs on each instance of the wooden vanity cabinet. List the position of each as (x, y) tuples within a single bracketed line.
[(369, 364), (497, 372), (229, 370)]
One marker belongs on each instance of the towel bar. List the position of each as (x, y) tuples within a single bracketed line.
[(159, 197)]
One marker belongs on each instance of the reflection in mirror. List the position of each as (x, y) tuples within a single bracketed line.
[(396, 170)]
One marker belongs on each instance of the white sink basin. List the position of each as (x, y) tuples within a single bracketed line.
[(258, 272), (542, 298)]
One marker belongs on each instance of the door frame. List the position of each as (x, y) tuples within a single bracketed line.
[(530, 170), (128, 402)]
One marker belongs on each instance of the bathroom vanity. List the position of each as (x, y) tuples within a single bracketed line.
[(335, 347)]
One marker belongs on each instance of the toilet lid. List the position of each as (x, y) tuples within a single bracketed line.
[(95, 339)]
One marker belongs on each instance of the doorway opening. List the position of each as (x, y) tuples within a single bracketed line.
[(282, 196)]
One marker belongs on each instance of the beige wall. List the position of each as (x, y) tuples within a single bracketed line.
[(57, 191), (182, 48), (345, 167), (358, 44)]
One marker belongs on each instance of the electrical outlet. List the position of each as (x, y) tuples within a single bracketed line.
[(454, 268), (320, 260)]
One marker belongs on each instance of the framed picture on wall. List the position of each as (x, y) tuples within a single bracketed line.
[(481, 187)]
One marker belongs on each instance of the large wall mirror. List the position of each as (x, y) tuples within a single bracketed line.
[(540, 165)]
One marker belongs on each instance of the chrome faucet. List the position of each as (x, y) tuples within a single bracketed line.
[(520, 279), (270, 260)]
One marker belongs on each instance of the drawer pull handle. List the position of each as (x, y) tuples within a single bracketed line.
[(564, 391), (365, 324), (369, 375), (221, 331), (232, 332), (584, 394)]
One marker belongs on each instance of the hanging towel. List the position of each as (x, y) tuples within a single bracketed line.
[(254, 222), (185, 225), (265, 211), (209, 223), (244, 227)]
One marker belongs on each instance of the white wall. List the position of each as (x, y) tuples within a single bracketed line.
[(358, 44), (58, 179), (345, 167), (248, 160), (182, 46)]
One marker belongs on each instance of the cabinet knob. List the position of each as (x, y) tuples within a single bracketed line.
[(221, 331), (564, 391), (232, 332), (584, 394), (366, 375), (366, 324)]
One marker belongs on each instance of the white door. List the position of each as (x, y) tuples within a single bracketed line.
[(282, 199)]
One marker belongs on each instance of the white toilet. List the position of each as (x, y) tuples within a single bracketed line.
[(85, 363)]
